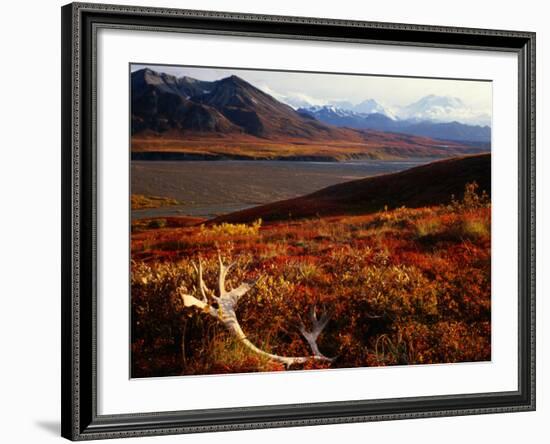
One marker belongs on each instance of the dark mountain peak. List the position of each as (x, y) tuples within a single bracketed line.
[(235, 79), (161, 102), (185, 85), (143, 73), (150, 75), (234, 84), (188, 79), (147, 81), (237, 84), (189, 86), (260, 114), (234, 92)]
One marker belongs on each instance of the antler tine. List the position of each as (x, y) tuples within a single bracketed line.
[(223, 274), (317, 326), (323, 320), (318, 323), (313, 314), (200, 281)]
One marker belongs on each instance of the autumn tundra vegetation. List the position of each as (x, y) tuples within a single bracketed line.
[(405, 283), (238, 267)]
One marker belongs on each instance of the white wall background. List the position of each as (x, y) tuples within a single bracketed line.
[(30, 220)]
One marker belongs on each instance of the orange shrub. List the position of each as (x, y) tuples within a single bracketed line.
[(407, 286)]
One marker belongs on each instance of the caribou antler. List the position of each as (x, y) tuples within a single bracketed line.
[(317, 326), (225, 312)]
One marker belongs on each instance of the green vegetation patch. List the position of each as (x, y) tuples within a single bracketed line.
[(142, 202)]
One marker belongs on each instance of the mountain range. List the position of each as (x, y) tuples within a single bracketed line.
[(431, 108), (163, 103), (232, 118), (378, 119)]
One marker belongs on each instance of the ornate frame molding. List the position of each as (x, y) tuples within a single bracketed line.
[(80, 22)]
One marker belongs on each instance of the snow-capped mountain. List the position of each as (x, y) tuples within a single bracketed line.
[(342, 117), (431, 108), (345, 108), (416, 125), (293, 99), (344, 104), (371, 106), (443, 109), (301, 101), (296, 101), (329, 110)]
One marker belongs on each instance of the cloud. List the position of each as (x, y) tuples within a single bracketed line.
[(294, 99)]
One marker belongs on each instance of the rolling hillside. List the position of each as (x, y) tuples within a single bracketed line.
[(426, 185)]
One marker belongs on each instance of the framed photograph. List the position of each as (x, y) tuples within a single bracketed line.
[(282, 221)]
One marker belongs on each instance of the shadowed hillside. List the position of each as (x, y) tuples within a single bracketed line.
[(426, 185)]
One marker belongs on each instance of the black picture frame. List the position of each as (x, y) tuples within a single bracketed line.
[(80, 420)]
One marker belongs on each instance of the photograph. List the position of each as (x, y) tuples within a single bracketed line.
[(292, 220), (282, 221)]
